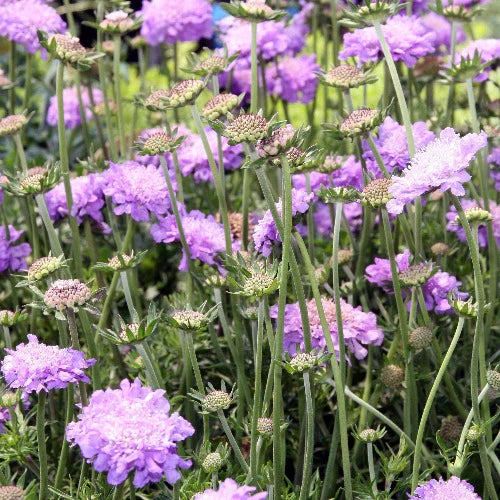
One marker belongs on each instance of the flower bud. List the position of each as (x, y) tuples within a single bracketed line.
[(376, 193), (371, 435), (392, 376), (116, 264), (440, 249), (44, 266), (183, 93), (246, 128), (212, 462), (219, 106), (416, 275), (278, 142), (493, 379), (302, 361), (212, 65), (474, 433), (131, 330), (346, 77), (11, 493), (63, 294), (344, 256), (12, 124), (216, 400), (360, 121), (420, 338), (117, 21), (68, 48), (265, 426), (189, 320)]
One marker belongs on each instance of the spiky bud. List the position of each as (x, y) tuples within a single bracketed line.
[(464, 308), (265, 426), (344, 256), (132, 329), (212, 462), (7, 317), (68, 48), (258, 284), (155, 100), (212, 65), (189, 320), (322, 273), (117, 21), (11, 493), (12, 124), (215, 280), (474, 433), (346, 77), (493, 379), (338, 194), (216, 400), (459, 13), (246, 128), (440, 249), (158, 143), (44, 266), (420, 338), (250, 312), (115, 263), (183, 93), (257, 8), (416, 275), (376, 193), (63, 294), (451, 428), (330, 164), (360, 121), (108, 46), (219, 106), (278, 142), (32, 184), (368, 435), (302, 361), (392, 376), (476, 215)]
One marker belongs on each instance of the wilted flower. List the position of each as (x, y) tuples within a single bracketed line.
[(37, 367), (230, 490), (452, 488), (420, 338), (129, 431), (63, 294), (12, 256), (392, 376), (451, 428)]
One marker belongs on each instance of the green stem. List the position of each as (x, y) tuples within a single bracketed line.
[(118, 92), (27, 80), (254, 90), (119, 490), (63, 457), (377, 156), (371, 469), (42, 448), (430, 401), (75, 343), (20, 152), (232, 441), (309, 445), (7, 337)]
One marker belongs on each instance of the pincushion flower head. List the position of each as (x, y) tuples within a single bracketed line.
[(43, 267), (358, 123), (230, 490), (245, 128), (36, 367), (369, 12), (219, 106), (346, 77), (118, 22), (440, 489), (441, 164), (12, 255), (191, 320), (137, 190), (168, 21), (35, 181), (10, 318), (12, 124), (158, 142), (68, 49), (182, 94), (21, 20), (64, 294), (144, 443), (253, 10), (360, 328), (278, 142)]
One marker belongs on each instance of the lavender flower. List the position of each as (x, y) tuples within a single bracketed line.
[(441, 28), (265, 231), (323, 220), (392, 145), (407, 37), (88, 200), (441, 164), (12, 257), (37, 367), (494, 159), (488, 49), (294, 79), (380, 272), (349, 174), (316, 179), (204, 236), (168, 21), (438, 489), (20, 21), (230, 490), (359, 327), (137, 190), (4, 417), (129, 430), (72, 117)]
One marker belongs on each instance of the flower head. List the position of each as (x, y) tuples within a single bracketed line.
[(12, 124), (217, 400), (451, 428), (346, 77), (441, 164), (376, 192), (63, 294), (452, 488), (392, 376), (37, 367), (117, 21), (265, 426), (230, 490), (219, 106), (246, 128), (420, 338), (12, 256), (276, 143), (130, 431), (183, 94), (44, 266), (11, 493), (487, 49), (212, 462)]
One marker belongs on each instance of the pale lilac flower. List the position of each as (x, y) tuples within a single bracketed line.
[(12, 255), (360, 328), (130, 431), (379, 273), (488, 49), (137, 190), (4, 417), (230, 490), (441, 27), (20, 21), (323, 224), (452, 489), (316, 180), (266, 233), (204, 236), (392, 145), (72, 117), (37, 367), (441, 164), (168, 21), (407, 37), (494, 159), (349, 174)]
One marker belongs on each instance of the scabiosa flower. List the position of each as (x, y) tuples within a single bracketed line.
[(316, 180), (219, 105), (11, 493), (37, 367), (64, 294), (323, 221), (137, 190), (452, 488), (488, 50), (294, 79), (349, 174), (346, 77), (494, 159), (230, 490), (129, 430), (12, 256), (168, 21), (407, 37), (72, 117), (12, 124), (392, 144), (441, 28), (204, 236), (379, 273), (441, 164), (4, 417), (21, 20), (265, 231), (88, 200), (359, 327)]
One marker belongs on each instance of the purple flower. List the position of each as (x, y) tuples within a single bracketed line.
[(441, 27), (454, 488), (20, 21), (72, 117), (488, 49), (168, 21), (380, 272), (323, 220), (130, 430), (494, 159), (12, 257), (293, 78), (393, 145), (407, 37), (4, 417), (441, 164), (349, 174), (266, 233), (316, 179), (137, 190), (230, 490), (482, 231), (37, 367), (359, 327), (88, 200), (204, 236)]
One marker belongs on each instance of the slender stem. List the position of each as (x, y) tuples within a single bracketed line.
[(309, 445), (376, 154), (254, 90), (63, 457), (75, 343), (449, 117), (430, 401), (118, 92), (20, 152), (42, 448), (232, 441), (371, 469), (119, 490), (12, 77), (7, 337)]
